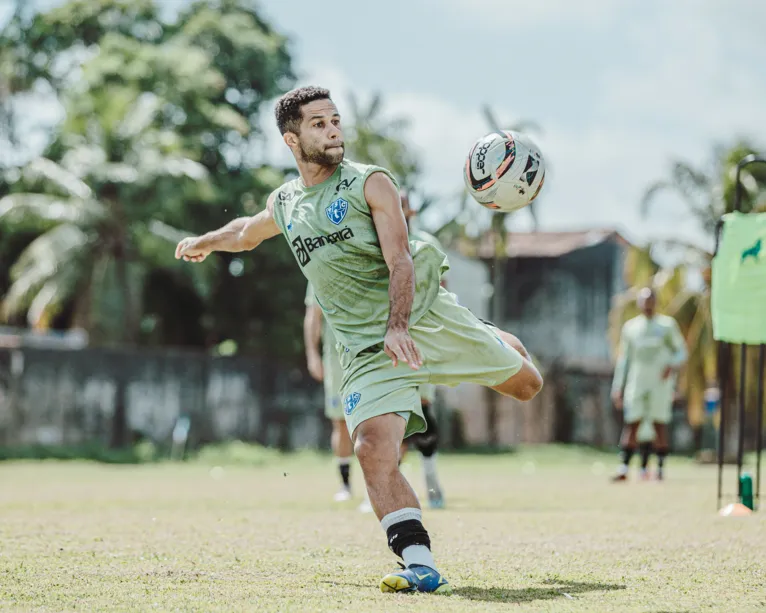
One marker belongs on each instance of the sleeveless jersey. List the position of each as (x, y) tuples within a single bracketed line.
[(330, 230)]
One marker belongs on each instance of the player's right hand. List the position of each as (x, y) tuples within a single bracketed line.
[(398, 345), (314, 364), (190, 250), (617, 400)]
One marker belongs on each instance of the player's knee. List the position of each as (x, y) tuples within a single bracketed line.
[(375, 450), (524, 385)]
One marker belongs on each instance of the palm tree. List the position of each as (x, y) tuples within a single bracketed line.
[(371, 139), (708, 193), (98, 232)]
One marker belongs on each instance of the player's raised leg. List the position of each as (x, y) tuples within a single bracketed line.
[(527, 382), (377, 444)]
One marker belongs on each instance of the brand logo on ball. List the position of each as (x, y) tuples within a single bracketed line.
[(350, 402), (336, 211), (481, 156)]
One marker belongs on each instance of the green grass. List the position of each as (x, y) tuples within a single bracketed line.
[(536, 530)]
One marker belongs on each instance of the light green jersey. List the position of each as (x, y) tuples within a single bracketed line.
[(333, 237), (647, 346), (328, 338)]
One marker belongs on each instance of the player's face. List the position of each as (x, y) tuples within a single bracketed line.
[(321, 138), (647, 304)]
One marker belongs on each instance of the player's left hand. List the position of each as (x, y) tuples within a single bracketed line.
[(399, 345), (667, 372)]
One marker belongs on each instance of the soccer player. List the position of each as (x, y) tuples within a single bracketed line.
[(324, 366), (396, 327), (651, 352)]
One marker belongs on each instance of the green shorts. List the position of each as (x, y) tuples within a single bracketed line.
[(456, 348), (333, 407), (655, 406)]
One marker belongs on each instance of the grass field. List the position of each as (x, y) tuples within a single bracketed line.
[(537, 530)]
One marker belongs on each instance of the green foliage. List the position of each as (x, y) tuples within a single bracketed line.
[(157, 141)]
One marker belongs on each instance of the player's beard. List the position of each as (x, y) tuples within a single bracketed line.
[(323, 157)]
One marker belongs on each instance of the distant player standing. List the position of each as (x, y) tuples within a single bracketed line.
[(396, 327), (652, 351), (324, 366)]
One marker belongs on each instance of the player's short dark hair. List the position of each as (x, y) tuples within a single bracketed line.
[(288, 109)]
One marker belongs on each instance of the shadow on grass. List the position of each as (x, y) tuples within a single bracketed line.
[(556, 589)]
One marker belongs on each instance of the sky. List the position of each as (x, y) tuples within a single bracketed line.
[(619, 89)]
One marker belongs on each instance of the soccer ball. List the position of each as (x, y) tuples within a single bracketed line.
[(504, 171)]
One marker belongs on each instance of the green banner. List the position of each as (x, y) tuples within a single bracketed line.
[(738, 299)]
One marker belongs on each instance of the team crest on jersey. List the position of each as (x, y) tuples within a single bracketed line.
[(349, 404), (336, 211)]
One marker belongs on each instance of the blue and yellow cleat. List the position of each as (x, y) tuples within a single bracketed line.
[(415, 579)]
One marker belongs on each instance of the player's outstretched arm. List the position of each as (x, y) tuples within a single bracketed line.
[(241, 234), (386, 208)]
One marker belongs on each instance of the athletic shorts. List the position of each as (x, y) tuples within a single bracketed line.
[(655, 406), (456, 348), (333, 373)]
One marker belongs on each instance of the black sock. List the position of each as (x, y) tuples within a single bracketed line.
[(345, 470), (627, 454), (646, 451), (661, 455)]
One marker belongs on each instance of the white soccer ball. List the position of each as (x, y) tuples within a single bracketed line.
[(504, 171)]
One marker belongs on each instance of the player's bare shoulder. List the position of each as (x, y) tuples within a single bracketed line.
[(380, 190)]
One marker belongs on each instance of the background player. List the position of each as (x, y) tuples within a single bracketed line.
[(652, 350), (324, 366)]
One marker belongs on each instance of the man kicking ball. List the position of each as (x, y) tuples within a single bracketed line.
[(396, 327)]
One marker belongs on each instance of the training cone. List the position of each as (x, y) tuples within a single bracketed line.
[(734, 510)]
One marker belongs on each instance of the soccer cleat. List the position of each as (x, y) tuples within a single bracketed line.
[(342, 495), (365, 507), (415, 579), (435, 500), (619, 477), (645, 475)]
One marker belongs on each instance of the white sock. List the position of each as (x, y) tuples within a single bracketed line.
[(432, 479), (419, 555), (623, 469)]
